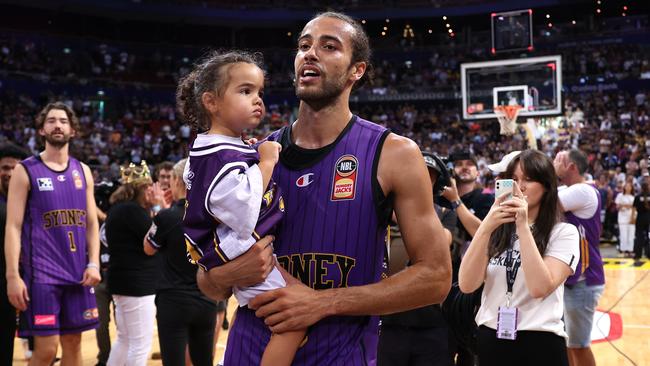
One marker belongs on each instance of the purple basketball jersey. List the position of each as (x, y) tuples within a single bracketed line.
[(207, 165), (331, 238), (590, 263), (53, 238)]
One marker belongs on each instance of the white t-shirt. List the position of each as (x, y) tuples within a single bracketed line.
[(581, 199), (624, 213), (534, 314)]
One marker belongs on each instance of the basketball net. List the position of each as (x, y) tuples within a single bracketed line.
[(507, 116)]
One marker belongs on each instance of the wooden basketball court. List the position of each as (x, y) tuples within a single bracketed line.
[(621, 329)]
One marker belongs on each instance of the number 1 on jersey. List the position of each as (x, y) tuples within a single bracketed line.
[(73, 246)]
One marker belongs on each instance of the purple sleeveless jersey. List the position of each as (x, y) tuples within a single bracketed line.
[(590, 263), (54, 227), (331, 238), (208, 164)]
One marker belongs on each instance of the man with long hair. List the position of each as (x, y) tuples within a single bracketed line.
[(53, 230)]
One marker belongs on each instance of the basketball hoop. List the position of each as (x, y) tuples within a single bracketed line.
[(507, 116)]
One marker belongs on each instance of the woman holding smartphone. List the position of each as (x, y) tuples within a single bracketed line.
[(523, 253)]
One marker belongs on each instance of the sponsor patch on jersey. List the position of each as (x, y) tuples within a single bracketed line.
[(304, 180), (60, 178), (345, 178), (45, 184), (76, 177), (49, 319)]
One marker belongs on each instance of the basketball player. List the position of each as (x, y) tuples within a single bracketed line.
[(342, 176), (54, 224)]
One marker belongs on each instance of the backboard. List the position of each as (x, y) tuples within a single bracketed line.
[(534, 83)]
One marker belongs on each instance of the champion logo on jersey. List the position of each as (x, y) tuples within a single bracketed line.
[(45, 184), (60, 178), (345, 178), (304, 180)]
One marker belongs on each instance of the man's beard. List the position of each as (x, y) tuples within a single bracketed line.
[(57, 142), (320, 97)]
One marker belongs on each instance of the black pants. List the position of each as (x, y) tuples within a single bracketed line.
[(530, 348), (104, 300), (641, 242), (8, 328), (410, 346), (185, 320)]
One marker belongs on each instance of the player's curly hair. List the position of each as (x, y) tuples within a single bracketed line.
[(210, 74)]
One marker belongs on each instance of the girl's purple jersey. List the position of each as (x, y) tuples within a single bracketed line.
[(331, 237), (53, 242)]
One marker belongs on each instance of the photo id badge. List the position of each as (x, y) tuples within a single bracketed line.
[(507, 323)]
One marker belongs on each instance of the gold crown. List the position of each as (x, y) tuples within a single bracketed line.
[(135, 174)]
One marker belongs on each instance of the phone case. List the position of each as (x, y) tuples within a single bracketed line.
[(503, 186)]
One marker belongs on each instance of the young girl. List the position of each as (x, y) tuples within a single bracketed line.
[(231, 200), (523, 254)]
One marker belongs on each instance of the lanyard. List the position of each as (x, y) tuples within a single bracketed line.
[(511, 273)]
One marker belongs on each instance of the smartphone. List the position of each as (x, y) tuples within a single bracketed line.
[(503, 187)]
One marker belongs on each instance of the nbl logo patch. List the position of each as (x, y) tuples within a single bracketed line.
[(78, 183), (45, 184), (345, 178)]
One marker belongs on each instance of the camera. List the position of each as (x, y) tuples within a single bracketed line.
[(445, 171)]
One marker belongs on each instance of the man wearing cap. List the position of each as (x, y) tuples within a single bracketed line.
[(466, 195), (471, 206)]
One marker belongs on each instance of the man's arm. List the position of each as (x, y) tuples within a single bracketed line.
[(16, 201), (91, 275), (581, 199), (248, 269), (466, 217), (426, 281)]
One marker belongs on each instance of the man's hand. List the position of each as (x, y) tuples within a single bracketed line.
[(291, 308), (160, 196), (248, 269), (91, 277), (17, 293), (451, 192)]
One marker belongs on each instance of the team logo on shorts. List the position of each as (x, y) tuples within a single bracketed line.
[(345, 178), (91, 314), (45, 184), (45, 319), (76, 177)]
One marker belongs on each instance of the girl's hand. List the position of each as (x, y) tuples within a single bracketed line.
[(498, 215), (517, 206)]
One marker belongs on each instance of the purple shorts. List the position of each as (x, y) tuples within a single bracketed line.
[(58, 309)]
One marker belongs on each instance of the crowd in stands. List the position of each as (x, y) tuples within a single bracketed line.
[(612, 126), (87, 61)]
